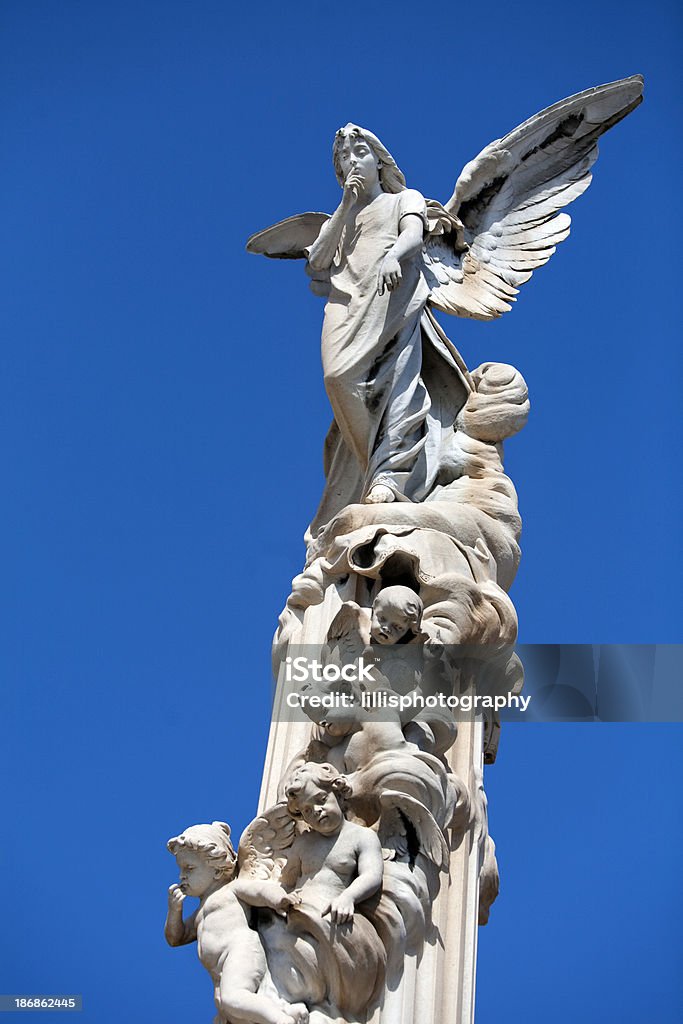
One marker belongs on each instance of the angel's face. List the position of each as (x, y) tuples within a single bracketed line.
[(320, 809), (356, 157)]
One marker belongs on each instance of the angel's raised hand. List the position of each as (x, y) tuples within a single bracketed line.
[(353, 186)]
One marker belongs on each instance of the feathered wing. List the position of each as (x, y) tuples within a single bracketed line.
[(404, 820), (288, 239), (262, 850), (507, 201)]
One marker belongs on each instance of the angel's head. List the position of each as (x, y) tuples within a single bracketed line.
[(314, 793), (359, 150), (396, 615), (205, 857)]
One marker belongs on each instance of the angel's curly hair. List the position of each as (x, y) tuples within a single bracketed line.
[(212, 842), (323, 775), (391, 177)]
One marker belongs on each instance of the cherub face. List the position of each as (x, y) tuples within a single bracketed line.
[(389, 624), (356, 157), (320, 809), (196, 874)]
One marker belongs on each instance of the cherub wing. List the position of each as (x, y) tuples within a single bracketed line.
[(506, 203), (406, 827), (288, 239), (347, 622), (262, 849)]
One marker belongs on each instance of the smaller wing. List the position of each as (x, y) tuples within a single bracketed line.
[(262, 849), (288, 239)]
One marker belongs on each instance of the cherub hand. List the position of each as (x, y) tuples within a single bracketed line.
[(353, 186), (278, 899), (176, 897), (340, 910), (434, 645), (389, 276)]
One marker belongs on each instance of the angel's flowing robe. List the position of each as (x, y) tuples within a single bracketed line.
[(390, 419)]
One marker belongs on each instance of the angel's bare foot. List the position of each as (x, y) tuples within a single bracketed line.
[(379, 494)]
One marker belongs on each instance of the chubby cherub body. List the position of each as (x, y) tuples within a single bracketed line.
[(228, 948), (336, 864), (355, 742)]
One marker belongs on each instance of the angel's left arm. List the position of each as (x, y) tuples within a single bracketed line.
[(411, 228), (409, 241)]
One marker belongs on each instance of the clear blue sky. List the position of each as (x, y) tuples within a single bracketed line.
[(162, 415)]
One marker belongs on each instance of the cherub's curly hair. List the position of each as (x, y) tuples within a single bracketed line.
[(391, 177), (323, 775), (211, 841)]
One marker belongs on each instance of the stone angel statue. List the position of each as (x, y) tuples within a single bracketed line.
[(386, 257)]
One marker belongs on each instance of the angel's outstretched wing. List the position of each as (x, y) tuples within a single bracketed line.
[(262, 850), (508, 201), (406, 827), (288, 239)]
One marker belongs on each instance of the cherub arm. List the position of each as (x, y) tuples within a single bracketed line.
[(259, 892), (291, 872), (366, 883), (177, 931)]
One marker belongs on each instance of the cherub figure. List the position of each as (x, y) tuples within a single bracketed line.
[(336, 864), (395, 618), (230, 950), (326, 950)]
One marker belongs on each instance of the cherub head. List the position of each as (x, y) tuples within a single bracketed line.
[(205, 857), (314, 793), (396, 614), (351, 141)]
